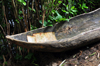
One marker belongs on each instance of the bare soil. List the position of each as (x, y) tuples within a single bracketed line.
[(84, 56)]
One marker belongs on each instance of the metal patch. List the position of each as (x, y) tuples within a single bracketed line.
[(42, 37)]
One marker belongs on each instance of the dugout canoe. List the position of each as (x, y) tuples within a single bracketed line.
[(81, 30)]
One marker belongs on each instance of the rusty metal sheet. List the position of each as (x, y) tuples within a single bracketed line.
[(41, 37)]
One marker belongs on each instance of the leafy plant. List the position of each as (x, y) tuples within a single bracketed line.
[(29, 56), (31, 9), (44, 24), (23, 14), (5, 63), (92, 54), (18, 57), (17, 21), (33, 27), (23, 2), (58, 18), (33, 61), (63, 63), (20, 12), (83, 6), (1, 58), (70, 9)]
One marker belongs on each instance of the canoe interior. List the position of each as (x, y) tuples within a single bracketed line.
[(63, 30)]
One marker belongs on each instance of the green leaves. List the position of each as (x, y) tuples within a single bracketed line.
[(23, 2), (29, 56), (70, 10), (92, 54), (19, 18), (33, 27), (1, 58), (31, 9), (5, 63), (20, 12), (17, 21), (83, 6), (44, 24), (18, 57), (0, 1), (58, 18), (59, 2)]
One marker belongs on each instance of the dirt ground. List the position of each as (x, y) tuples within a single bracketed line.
[(84, 56)]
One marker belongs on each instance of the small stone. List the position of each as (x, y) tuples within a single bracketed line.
[(54, 64), (99, 65), (75, 65), (98, 56), (92, 58), (86, 57)]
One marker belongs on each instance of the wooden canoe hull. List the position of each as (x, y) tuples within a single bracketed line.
[(81, 30)]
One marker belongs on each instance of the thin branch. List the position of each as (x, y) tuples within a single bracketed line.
[(26, 29), (28, 17), (4, 60), (9, 44), (8, 25), (3, 30), (36, 6), (43, 18)]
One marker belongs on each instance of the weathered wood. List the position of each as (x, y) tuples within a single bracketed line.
[(81, 30)]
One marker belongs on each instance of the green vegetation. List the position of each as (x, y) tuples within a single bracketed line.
[(92, 54), (23, 15)]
